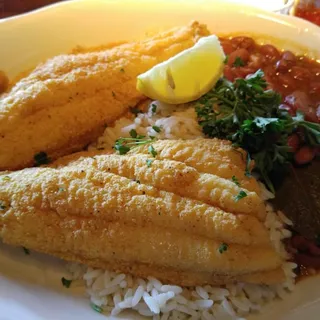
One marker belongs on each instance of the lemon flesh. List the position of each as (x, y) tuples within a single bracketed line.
[(186, 76)]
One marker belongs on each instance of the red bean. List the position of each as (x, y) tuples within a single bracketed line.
[(243, 54), (300, 73), (227, 46), (243, 42), (282, 66), (315, 88), (304, 155), (288, 56), (270, 52), (242, 72), (256, 61), (228, 73), (287, 81), (293, 142)]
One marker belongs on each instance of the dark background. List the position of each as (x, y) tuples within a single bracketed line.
[(13, 7)]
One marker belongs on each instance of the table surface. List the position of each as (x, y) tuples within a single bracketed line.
[(10, 8)]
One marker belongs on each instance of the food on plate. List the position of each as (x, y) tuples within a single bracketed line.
[(90, 210), (4, 82), (66, 102), (186, 76), (171, 193)]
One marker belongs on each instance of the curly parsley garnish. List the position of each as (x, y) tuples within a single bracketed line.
[(149, 162), (235, 181), (124, 145), (96, 308), (65, 282), (26, 251), (248, 114), (242, 194), (156, 129), (152, 151), (2, 205), (41, 158), (223, 247), (153, 108), (238, 62)]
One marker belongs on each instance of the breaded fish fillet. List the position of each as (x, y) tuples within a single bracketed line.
[(139, 219), (65, 103), (213, 156)]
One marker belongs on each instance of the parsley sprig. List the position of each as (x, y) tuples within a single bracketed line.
[(248, 114), (124, 145)]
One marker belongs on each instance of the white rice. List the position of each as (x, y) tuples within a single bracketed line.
[(149, 297)]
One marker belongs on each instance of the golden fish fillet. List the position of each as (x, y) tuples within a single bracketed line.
[(65, 103), (213, 156), (138, 219)]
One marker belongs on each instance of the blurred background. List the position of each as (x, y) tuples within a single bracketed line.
[(13, 7), (306, 9)]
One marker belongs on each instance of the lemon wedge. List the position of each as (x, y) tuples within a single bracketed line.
[(186, 76)]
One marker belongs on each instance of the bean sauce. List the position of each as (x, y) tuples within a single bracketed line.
[(296, 78)]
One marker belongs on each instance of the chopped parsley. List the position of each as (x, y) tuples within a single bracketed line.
[(242, 194), (26, 251), (124, 145), (226, 59), (2, 206), (133, 133), (6, 178), (121, 70), (41, 158), (61, 189), (152, 151), (65, 282), (153, 108), (96, 308), (223, 247), (156, 129), (238, 62), (149, 162), (248, 115), (235, 181), (135, 111)]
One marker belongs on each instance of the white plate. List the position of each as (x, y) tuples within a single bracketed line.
[(30, 287)]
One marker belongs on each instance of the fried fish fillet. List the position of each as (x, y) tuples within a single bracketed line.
[(65, 103), (213, 156), (139, 219)]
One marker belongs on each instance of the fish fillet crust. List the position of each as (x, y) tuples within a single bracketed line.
[(66, 102), (159, 220)]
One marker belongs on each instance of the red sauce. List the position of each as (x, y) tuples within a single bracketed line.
[(296, 78), (309, 12)]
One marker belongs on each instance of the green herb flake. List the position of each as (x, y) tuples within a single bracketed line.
[(156, 129), (26, 251), (135, 111), (149, 162), (65, 282), (2, 206), (235, 181), (122, 149), (121, 70), (96, 308), (41, 158), (223, 247), (153, 108), (6, 178), (152, 151), (226, 59), (133, 133), (242, 194), (61, 189), (238, 62), (124, 145)]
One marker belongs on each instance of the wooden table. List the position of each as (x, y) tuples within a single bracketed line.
[(13, 7)]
